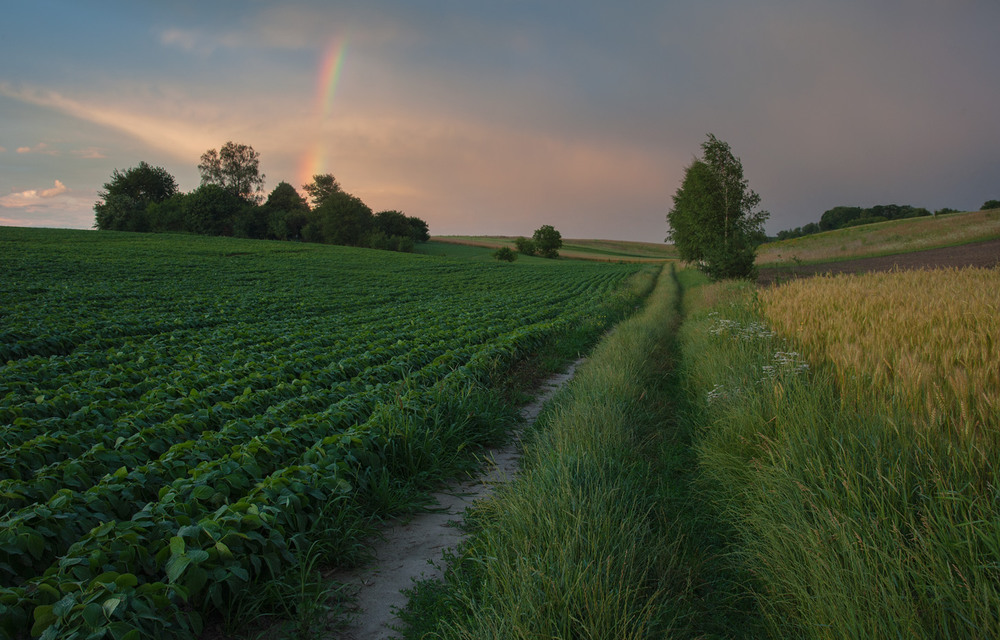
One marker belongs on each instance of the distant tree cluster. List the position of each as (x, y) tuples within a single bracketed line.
[(230, 202), (990, 204), (545, 242), (842, 217)]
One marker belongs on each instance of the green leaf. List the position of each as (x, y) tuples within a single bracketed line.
[(126, 581), (36, 545), (240, 573), (93, 614), (44, 618), (110, 605), (176, 566), (176, 545), (198, 555), (64, 606), (202, 492)]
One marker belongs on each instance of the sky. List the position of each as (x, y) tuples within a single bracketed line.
[(494, 118)]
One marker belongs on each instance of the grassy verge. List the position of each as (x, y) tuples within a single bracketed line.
[(602, 534), (856, 520)]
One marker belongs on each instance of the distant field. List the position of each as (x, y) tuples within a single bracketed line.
[(885, 238), (581, 249)]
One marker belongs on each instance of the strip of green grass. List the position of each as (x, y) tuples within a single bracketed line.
[(602, 534)]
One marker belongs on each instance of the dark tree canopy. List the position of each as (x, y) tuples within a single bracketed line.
[(322, 187), (990, 204), (341, 219), (235, 168), (713, 222), (126, 196), (547, 241), (286, 213), (212, 210)]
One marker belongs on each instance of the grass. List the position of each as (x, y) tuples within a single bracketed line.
[(580, 249), (884, 238), (601, 535), (856, 520)]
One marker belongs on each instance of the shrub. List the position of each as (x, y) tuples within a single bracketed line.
[(506, 254), (525, 246)]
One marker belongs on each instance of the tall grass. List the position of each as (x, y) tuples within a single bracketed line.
[(571, 549), (597, 536), (856, 519)]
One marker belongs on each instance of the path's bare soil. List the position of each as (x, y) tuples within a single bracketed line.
[(978, 254), (412, 549)]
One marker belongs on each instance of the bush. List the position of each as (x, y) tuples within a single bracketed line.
[(506, 254), (525, 246)]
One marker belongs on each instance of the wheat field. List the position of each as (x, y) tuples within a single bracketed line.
[(928, 338)]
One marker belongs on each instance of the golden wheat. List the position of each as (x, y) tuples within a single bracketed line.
[(929, 338)]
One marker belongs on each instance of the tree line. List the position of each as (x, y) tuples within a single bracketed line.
[(230, 202)]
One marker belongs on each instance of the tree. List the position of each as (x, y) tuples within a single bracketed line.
[(322, 187), (990, 204), (125, 197), (341, 219), (419, 229), (167, 216), (393, 223), (713, 222), (548, 241), (286, 211), (235, 168), (211, 210)]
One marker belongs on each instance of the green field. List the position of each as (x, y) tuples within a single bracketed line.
[(182, 415)]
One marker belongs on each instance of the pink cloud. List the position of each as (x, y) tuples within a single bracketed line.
[(90, 153), (31, 197), (41, 147)]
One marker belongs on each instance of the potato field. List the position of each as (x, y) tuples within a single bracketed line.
[(176, 411)]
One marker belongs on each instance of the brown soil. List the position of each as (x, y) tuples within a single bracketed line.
[(978, 254)]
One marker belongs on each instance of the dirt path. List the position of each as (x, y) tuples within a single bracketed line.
[(412, 549)]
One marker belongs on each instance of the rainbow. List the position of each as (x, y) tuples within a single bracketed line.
[(331, 63)]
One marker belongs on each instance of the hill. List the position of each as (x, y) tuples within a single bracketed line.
[(883, 239)]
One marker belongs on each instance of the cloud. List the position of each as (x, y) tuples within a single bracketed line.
[(174, 135), (41, 147), (31, 197), (90, 153)]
